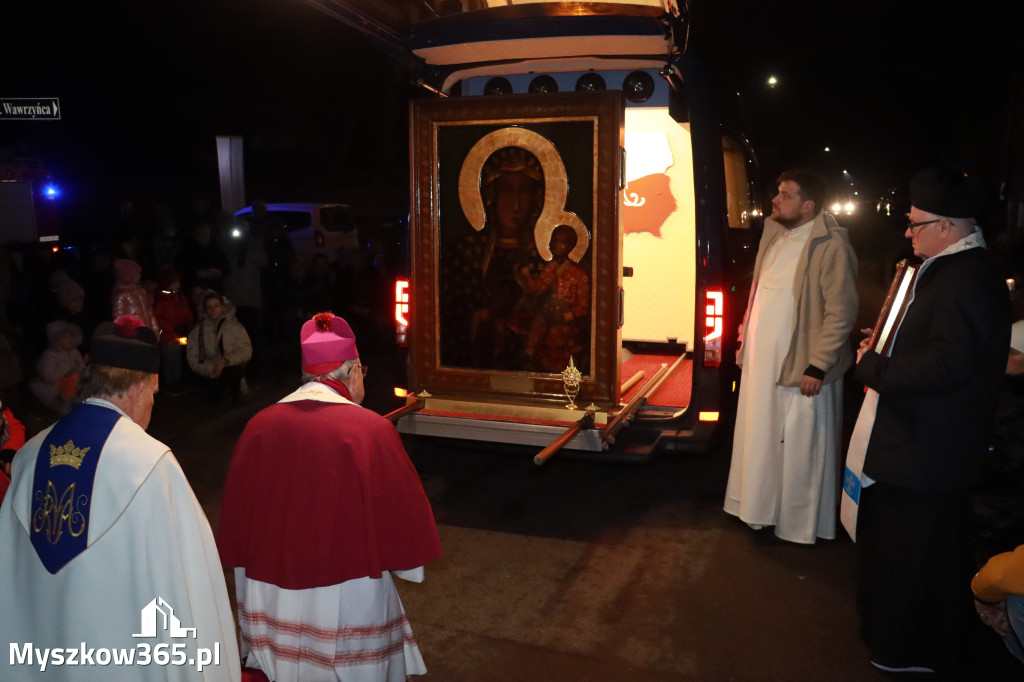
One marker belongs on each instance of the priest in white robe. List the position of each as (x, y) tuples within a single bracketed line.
[(109, 566), (794, 350)]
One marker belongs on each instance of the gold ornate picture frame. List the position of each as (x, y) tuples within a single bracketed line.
[(516, 265)]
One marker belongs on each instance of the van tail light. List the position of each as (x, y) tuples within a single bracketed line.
[(714, 320), (319, 239), (402, 312)]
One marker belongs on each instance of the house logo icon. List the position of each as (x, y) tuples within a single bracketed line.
[(158, 615)]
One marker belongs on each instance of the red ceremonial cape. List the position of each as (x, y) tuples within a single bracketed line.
[(319, 493)]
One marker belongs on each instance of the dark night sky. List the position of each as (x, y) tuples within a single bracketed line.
[(890, 86)]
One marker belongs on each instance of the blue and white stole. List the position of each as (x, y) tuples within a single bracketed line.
[(63, 482)]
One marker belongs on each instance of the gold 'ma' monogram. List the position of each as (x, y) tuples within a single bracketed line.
[(56, 510)]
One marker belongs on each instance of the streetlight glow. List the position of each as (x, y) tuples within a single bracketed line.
[(772, 81)]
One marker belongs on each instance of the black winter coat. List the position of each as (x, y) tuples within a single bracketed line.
[(939, 387)]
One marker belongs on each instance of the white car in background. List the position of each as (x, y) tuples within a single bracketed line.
[(328, 229)]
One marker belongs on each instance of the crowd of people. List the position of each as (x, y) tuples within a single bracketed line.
[(168, 276)]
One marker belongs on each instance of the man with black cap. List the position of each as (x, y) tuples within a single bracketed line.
[(321, 507), (929, 424), (107, 559)]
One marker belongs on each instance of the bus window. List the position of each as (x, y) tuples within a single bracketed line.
[(740, 203)]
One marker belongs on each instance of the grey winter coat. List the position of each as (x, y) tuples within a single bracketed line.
[(825, 290)]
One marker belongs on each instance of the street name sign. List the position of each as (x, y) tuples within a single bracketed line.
[(29, 109)]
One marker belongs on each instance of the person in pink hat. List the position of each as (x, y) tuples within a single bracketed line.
[(321, 508), (128, 297)]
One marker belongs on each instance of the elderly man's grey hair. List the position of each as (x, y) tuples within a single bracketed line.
[(101, 381), (341, 373), (963, 226)]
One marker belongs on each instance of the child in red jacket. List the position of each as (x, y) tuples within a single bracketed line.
[(174, 315)]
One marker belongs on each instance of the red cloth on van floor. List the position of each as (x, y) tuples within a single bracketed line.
[(674, 392)]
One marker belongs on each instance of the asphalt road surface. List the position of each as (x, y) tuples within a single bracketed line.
[(586, 571)]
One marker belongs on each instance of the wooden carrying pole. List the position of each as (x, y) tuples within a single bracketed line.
[(630, 382), (585, 422), (393, 417), (630, 408), (658, 381)]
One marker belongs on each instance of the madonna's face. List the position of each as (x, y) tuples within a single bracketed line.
[(514, 201)]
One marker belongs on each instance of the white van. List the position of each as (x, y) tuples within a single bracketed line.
[(592, 115), (314, 228)]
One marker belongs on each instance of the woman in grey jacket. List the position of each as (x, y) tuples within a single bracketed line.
[(219, 348)]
